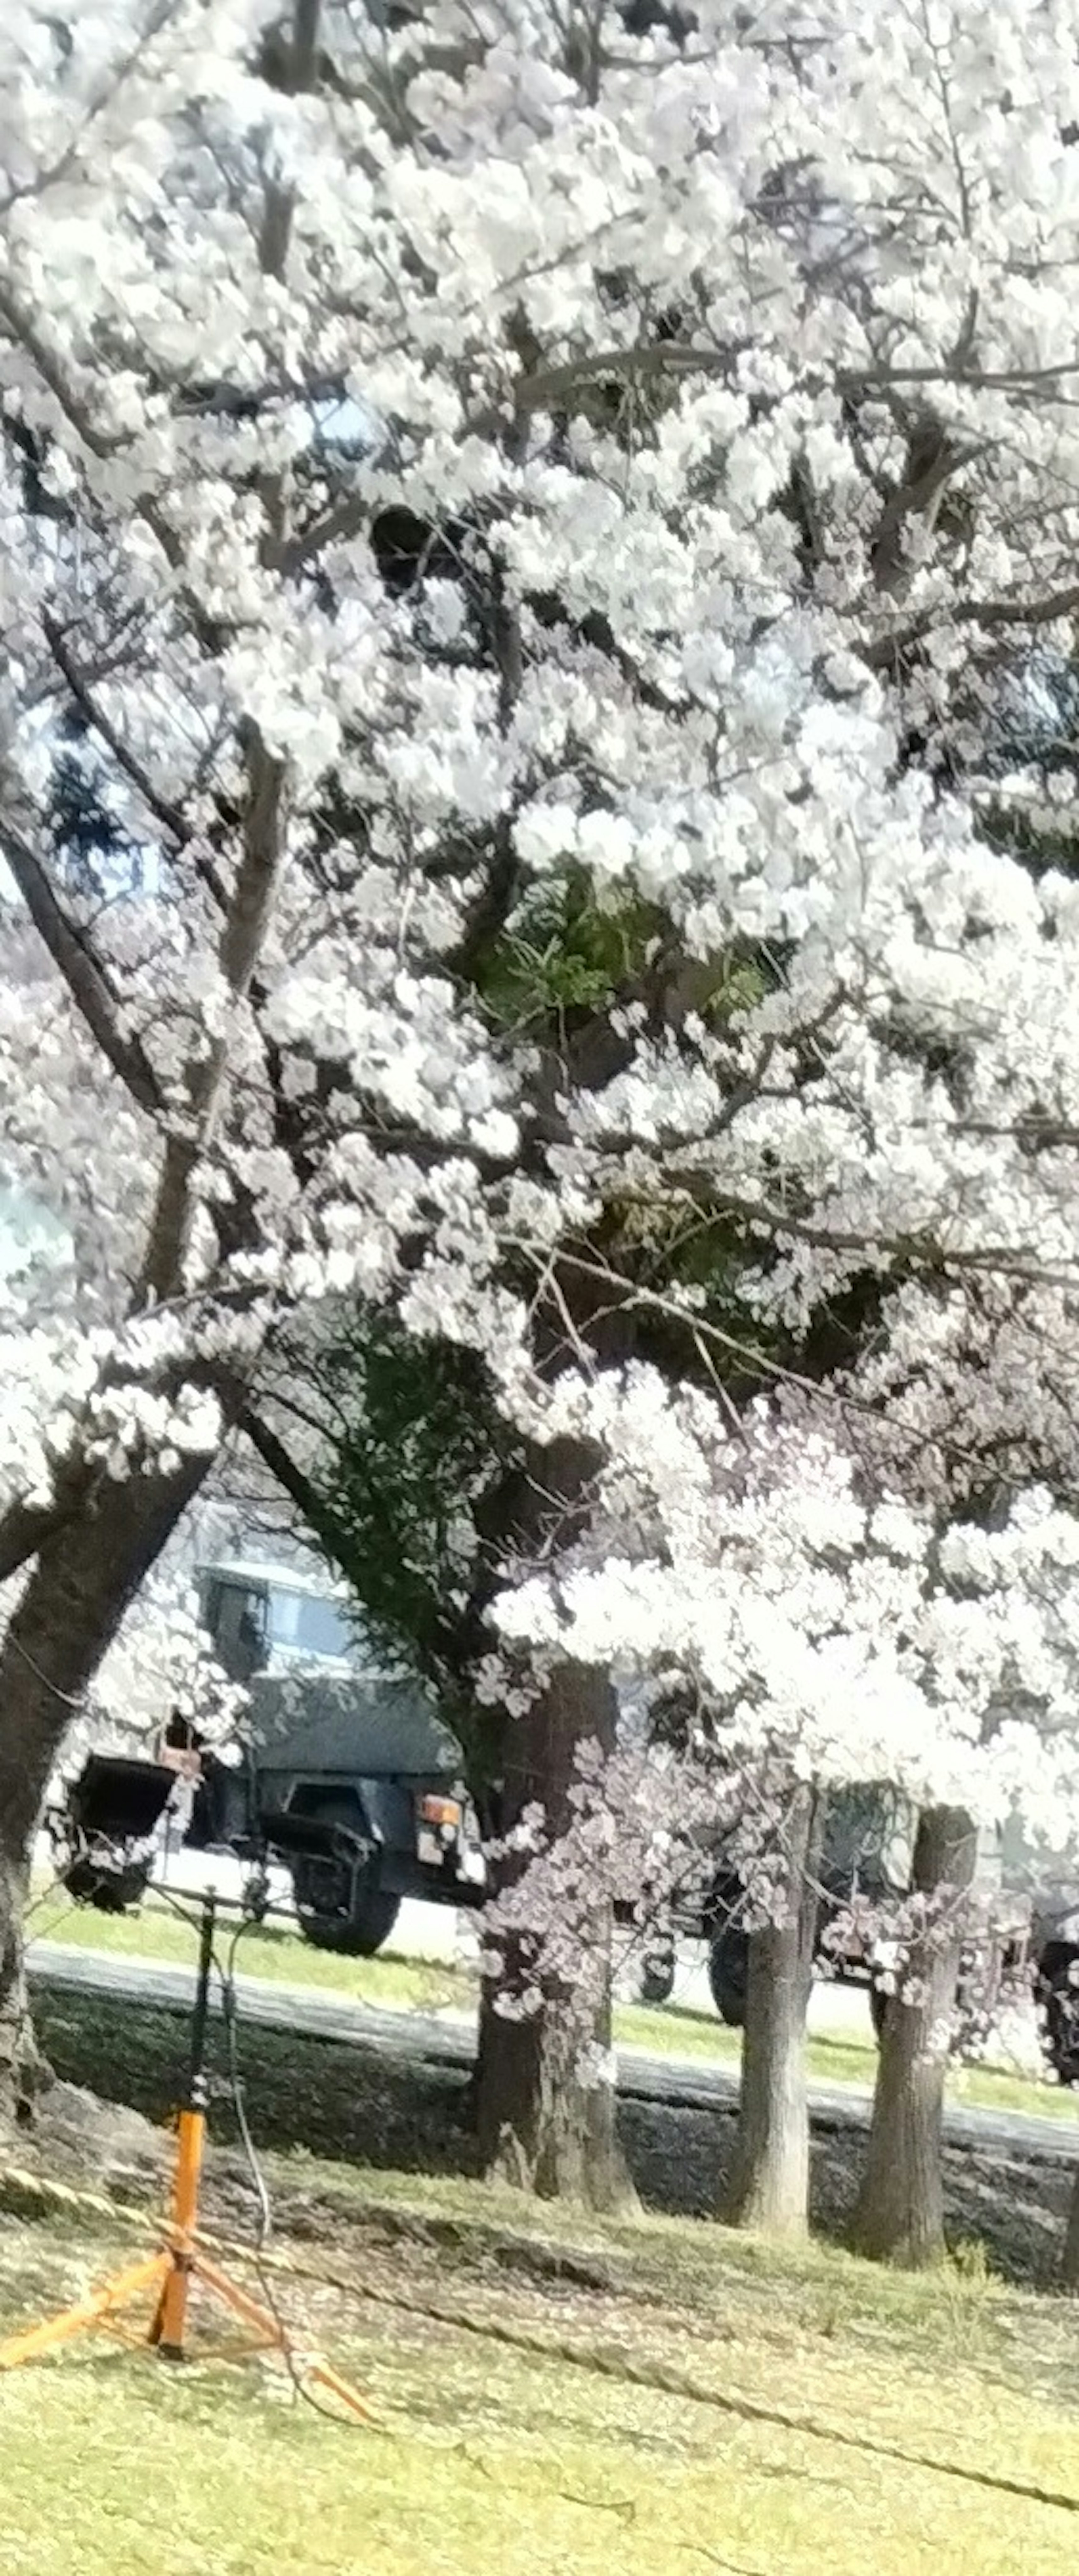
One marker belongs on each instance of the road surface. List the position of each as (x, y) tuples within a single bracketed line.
[(440, 1934), (448, 2039)]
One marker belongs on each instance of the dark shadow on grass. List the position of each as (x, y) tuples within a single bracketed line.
[(361, 2106)]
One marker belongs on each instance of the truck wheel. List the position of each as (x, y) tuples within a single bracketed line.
[(374, 1912), (657, 1974), (354, 1936), (1060, 1998), (728, 1972)]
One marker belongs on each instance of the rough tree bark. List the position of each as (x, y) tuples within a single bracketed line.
[(769, 2184), (85, 1577), (900, 2212), (543, 2121), (1069, 2261)]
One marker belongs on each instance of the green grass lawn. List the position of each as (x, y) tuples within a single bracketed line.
[(416, 1985), (853, 2414), (266, 1950)]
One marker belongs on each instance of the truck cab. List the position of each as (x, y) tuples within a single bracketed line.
[(347, 1774), (343, 1770), (266, 1615)]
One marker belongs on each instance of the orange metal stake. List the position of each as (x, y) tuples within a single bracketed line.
[(173, 2271), (167, 2330)]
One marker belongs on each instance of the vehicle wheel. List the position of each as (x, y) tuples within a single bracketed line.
[(657, 1976), (1060, 1999), (109, 1891), (355, 1935), (728, 1971)]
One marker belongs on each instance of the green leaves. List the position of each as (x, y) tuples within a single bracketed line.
[(416, 1447), (566, 952)]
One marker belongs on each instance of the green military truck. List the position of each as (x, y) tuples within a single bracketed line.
[(348, 1776), (345, 1772)]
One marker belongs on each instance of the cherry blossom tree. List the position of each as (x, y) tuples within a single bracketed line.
[(826, 1633), (155, 1040), (541, 519)]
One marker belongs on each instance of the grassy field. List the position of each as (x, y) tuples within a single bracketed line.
[(694, 2402), (416, 1985)]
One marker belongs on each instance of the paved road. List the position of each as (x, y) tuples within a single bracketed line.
[(448, 2039), (439, 1933)]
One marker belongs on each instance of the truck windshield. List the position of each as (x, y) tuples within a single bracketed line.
[(311, 1626)]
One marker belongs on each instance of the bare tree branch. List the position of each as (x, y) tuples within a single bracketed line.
[(171, 817), (85, 978), (990, 615)]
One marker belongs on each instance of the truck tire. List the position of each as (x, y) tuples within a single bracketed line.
[(728, 1969), (355, 1936), (1060, 2003), (657, 1974), (374, 1912)]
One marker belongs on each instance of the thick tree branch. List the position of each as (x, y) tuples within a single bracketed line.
[(171, 817), (336, 526), (300, 74), (488, 915), (932, 459), (85, 978), (554, 388), (55, 377), (989, 615), (240, 945), (286, 1472)]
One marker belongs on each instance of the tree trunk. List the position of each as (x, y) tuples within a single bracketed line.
[(545, 2094), (769, 2186), (84, 1579), (20, 2071), (1069, 2261), (540, 2126), (900, 2213)]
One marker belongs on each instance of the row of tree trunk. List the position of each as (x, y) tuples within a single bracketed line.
[(899, 2217), (539, 2127), (545, 2104)]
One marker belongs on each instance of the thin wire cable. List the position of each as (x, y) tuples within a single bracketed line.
[(68, 1699), (226, 1979), (231, 2016), (230, 2012)]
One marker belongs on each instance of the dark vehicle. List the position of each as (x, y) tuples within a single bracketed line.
[(862, 1874), (859, 1866), (1055, 1950), (346, 1773), (348, 1776)]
